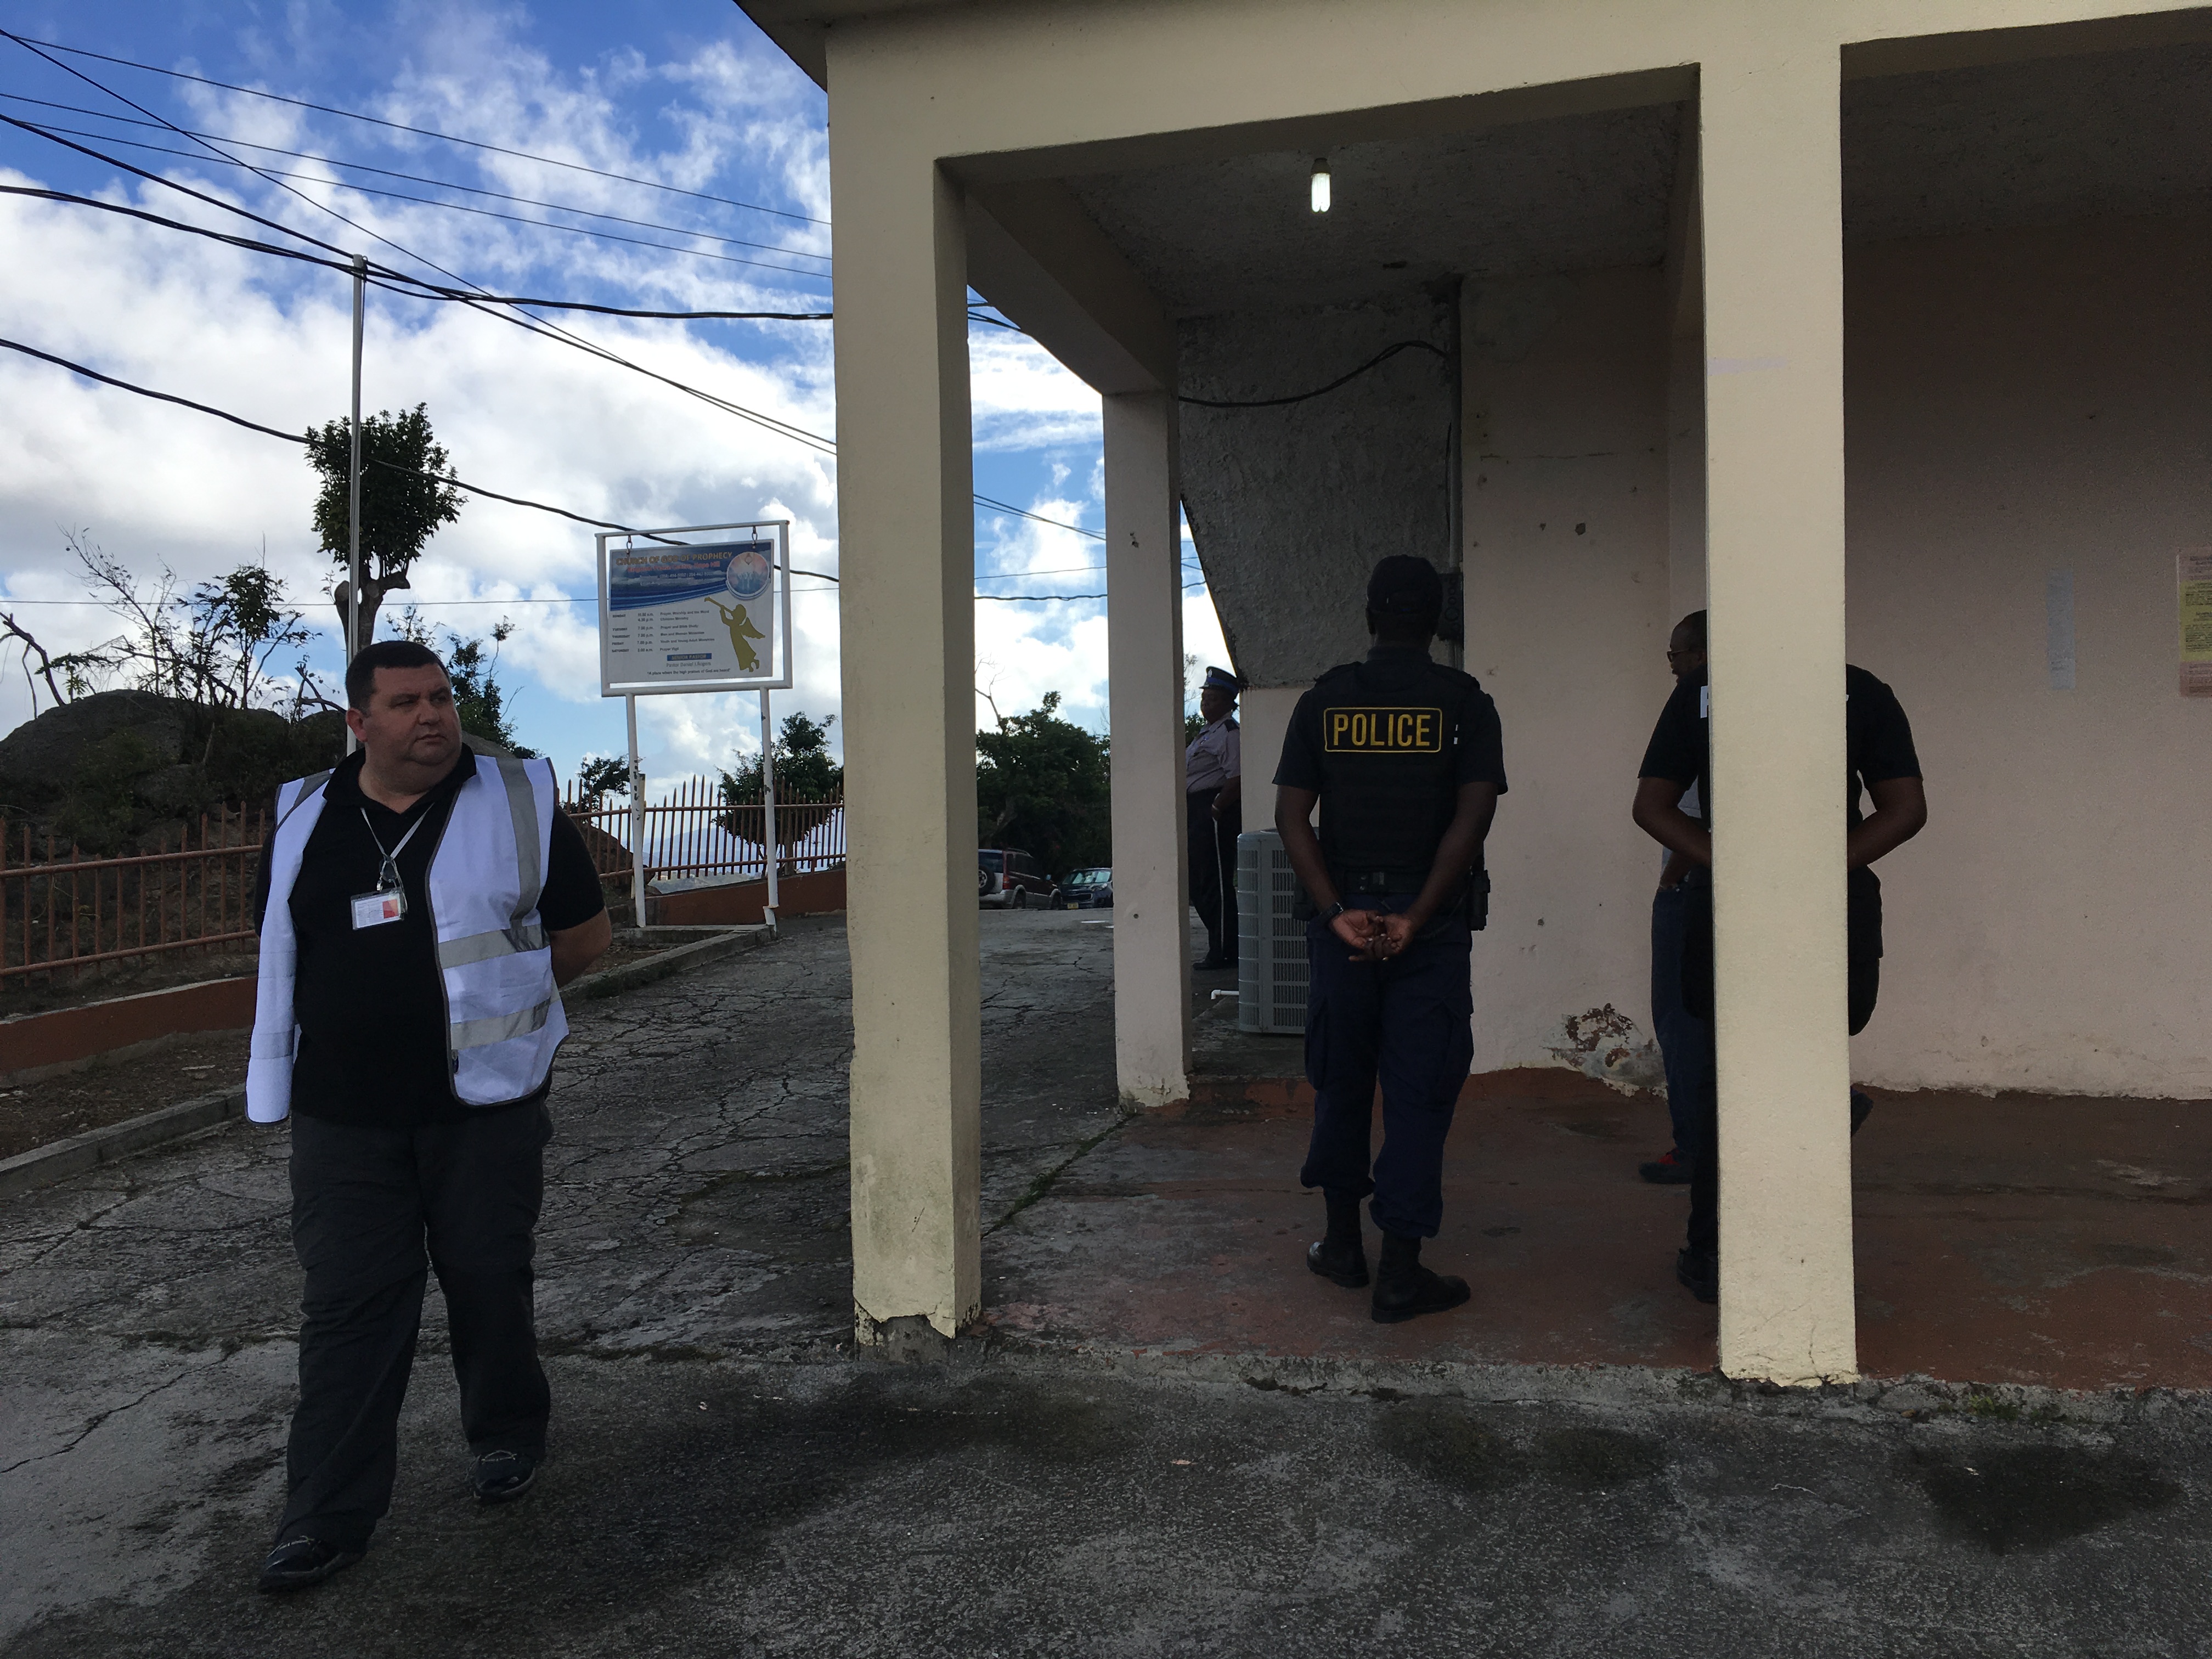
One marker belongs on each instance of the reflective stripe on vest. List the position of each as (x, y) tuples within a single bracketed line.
[(495, 965)]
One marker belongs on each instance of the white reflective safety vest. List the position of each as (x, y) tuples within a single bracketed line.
[(503, 1013)]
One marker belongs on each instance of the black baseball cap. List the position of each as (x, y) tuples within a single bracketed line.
[(1405, 586)]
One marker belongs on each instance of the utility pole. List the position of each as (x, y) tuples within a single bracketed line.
[(353, 479)]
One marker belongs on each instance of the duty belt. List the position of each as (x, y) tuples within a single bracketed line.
[(1376, 884)]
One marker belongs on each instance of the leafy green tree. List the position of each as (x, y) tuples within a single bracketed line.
[(404, 500), (598, 776), (805, 771), (473, 668), (212, 646), (1042, 785)]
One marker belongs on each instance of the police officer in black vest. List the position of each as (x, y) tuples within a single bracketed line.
[(1404, 758)]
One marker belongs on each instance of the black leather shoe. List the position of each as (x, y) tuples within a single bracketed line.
[(1344, 1264), (1403, 1297), (1699, 1271), (503, 1476), (300, 1563), (1860, 1106)]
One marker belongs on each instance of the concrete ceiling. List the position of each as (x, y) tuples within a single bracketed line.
[(2034, 142), (1574, 194)]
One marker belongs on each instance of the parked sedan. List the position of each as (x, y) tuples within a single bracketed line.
[(1009, 881), (1088, 889)]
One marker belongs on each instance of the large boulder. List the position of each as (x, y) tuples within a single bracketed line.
[(39, 759), (99, 772)]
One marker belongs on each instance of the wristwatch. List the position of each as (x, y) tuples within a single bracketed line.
[(1333, 911)]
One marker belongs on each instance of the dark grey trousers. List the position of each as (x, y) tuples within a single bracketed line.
[(373, 1210)]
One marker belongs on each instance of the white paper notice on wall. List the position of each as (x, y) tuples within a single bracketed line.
[(2059, 628), (2193, 582)]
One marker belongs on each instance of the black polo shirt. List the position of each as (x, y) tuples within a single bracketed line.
[(1877, 740), (371, 1003), (1877, 747)]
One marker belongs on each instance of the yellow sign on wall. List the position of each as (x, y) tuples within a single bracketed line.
[(2193, 572)]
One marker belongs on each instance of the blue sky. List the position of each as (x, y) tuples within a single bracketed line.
[(679, 93)]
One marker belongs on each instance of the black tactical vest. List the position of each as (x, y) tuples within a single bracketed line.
[(1388, 733)]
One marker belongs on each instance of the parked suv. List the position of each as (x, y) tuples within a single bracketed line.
[(1011, 880), (1088, 889)]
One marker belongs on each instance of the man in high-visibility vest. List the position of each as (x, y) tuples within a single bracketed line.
[(419, 908)]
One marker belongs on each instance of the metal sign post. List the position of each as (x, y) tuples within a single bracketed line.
[(353, 481), (768, 848), (636, 821), (697, 607)]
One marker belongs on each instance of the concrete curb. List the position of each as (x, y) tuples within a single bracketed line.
[(42, 1166), (722, 942)]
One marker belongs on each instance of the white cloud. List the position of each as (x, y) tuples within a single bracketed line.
[(269, 341)]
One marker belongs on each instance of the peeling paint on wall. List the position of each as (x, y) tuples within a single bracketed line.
[(1605, 1043)]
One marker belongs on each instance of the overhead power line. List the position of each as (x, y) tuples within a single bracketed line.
[(456, 207), (458, 483), (478, 300), (410, 178), (393, 282), (1382, 356), (422, 132), (295, 438)]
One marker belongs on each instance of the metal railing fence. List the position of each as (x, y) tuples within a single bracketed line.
[(691, 831), (62, 912)]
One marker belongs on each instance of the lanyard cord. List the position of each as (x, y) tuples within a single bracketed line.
[(387, 875)]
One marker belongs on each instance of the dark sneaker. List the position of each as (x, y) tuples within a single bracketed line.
[(1411, 1295), (1672, 1170), (299, 1563), (1344, 1264), (1860, 1106), (503, 1476), (1700, 1272)]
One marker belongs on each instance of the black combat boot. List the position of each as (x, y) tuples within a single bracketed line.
[(1341, 1257), (1404, 1288)]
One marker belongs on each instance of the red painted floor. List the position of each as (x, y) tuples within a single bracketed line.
[(2053, 1241)]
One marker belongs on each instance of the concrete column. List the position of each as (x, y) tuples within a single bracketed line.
[(1144, 656), (906, 606), (1772, 260), (1686, 392)]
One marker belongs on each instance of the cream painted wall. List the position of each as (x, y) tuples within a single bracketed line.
[(2019, 402), (2022, 402), (1566, 412)]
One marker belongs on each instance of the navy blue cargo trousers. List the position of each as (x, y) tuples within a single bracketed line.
[(1409, 1023)]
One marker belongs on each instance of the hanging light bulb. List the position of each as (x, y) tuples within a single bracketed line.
[(1320, 184)]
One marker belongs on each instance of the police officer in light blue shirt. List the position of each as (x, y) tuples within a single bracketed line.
[(1213, 783)]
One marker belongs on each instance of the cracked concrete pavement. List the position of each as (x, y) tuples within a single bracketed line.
[(727, 1478)]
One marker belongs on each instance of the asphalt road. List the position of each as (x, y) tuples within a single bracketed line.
[(727, 1478)]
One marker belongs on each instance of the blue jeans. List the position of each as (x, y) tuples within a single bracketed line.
[(1685, 1045), (1408, 1022)]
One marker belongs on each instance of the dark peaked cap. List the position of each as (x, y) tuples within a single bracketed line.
[(1220, 679), (1404, 586)]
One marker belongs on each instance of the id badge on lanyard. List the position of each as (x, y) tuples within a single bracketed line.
[(389, 902), (375, 909)]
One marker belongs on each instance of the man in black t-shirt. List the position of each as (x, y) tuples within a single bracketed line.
[(386, 1155), (1880, 762), (1404, 759)]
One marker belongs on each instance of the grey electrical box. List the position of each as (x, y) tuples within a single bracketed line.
[(1271, 942)]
